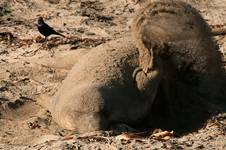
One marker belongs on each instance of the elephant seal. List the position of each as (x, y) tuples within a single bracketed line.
[(173, 33), (101, 90), (174, 29), (119, 81)]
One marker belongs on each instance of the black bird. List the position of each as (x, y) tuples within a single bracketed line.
[(45, 29)]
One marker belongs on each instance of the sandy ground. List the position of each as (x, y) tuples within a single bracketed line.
[(28, 68)]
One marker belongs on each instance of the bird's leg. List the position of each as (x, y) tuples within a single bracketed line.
[(50, 49), (52, 53), (45, 39)]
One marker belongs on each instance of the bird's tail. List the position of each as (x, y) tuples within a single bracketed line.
[(59, 34)]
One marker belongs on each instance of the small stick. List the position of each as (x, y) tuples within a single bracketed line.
[(218, 30)]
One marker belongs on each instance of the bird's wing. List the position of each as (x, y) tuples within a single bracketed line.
[(48, 27)]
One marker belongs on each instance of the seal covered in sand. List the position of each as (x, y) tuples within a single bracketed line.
[(100, 90), (172, 33), (118, 82)]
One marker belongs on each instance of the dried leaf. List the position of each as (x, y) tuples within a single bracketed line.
[(165, 135)]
